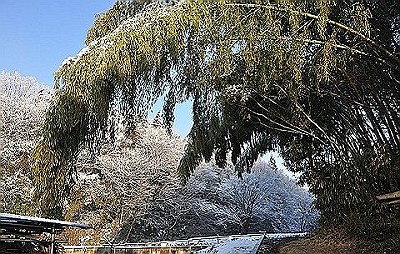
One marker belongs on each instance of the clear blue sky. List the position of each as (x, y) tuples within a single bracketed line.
[(37, 35)]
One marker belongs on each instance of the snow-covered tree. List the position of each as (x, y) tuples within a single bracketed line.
[(130, 184), (264, 200), (23, 103), (130, 190)]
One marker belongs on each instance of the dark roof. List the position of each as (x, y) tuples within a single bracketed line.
[(18, 224)]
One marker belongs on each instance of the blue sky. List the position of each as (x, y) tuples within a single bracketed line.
[(37, 35)]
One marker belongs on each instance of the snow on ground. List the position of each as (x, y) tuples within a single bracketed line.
[(234, 244), (239, 244), (246, 244), (284, 235)]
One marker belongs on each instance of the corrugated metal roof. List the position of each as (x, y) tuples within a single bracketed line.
[(19, 224)]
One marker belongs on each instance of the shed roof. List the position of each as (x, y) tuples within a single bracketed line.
[(19, 224)]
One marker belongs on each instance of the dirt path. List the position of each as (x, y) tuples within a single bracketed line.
[(270, 246)]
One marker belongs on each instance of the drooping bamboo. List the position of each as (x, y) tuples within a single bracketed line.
[(272, 76)]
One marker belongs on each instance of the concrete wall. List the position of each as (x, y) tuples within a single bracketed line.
[(243, 244), (120, 250)]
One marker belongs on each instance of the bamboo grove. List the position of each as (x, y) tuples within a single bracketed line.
[(317, 81)]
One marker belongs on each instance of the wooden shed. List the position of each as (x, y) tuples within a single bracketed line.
[(26, 234)]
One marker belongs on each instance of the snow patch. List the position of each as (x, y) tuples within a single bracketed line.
[(247, 244)]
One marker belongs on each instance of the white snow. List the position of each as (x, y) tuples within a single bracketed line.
[(246, 244), (240, 244), (284, 235)]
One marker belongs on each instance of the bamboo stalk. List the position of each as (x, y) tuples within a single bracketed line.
[(388, 196)]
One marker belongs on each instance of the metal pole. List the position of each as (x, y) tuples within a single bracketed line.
[(52, 240)]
